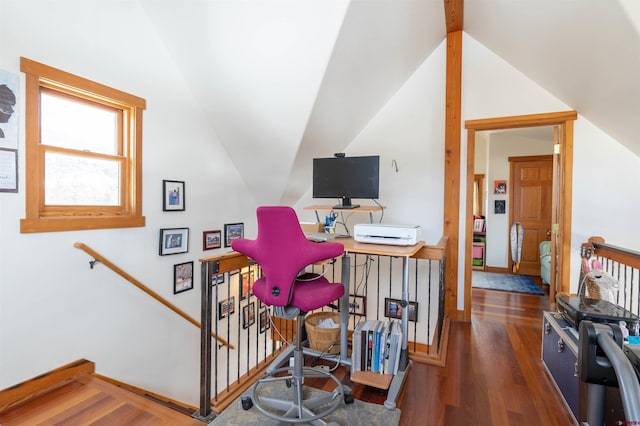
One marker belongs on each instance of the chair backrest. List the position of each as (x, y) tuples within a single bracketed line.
[(282, 251)]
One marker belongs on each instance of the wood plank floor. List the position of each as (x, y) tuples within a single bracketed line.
[(89, 400), (493, 376)]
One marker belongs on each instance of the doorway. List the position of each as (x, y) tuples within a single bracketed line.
[(562, 187)]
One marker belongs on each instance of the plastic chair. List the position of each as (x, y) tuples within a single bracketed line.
[(283, 252)]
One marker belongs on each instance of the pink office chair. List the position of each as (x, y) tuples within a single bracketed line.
[(283, 252)]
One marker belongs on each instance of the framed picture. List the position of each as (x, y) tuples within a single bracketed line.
[(217, 279), (174, 240), (233, 231), (500, 187), (393, 309), (249, 315), (172, 195), (265, 324), (499, 206), (8, 170), (357, 305), (182, 277), (226, 307), (211, 240), (247, 278)]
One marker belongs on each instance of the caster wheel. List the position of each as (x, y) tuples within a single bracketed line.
[(247, 403), (348, 398)]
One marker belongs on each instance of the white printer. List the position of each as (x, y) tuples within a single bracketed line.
[(397, 235)]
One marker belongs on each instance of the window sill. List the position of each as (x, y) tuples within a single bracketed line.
[(58, 224)]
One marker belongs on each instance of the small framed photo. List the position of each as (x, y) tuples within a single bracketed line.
[(217, 279), (499, 206), (174, 241), (247, 278), (211, 240), (357, 305), (265, 324), (500, 187), (226, 307), (393, 309), (182, 277), (172, 196), (233, 231), (249, 315)]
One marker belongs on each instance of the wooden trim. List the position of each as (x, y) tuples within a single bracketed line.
[(566, 201), (71, 223), (452, 156), (454, 15), (437, 252), (514, 122), (51, 74), (565, 121), (468, 244), (39, 385), (144, 288), (425, 356), (529, 158)]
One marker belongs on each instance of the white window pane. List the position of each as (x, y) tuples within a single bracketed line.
[(71, 180), (76, 125)]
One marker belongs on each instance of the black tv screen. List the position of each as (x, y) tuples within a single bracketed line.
[(345, 178)]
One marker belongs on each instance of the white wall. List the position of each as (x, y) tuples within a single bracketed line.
[(53, 308), (409, 129), (493, 88)]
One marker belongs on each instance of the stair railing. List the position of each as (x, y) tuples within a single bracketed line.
[(98, 258)]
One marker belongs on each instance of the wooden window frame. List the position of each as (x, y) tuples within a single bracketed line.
[(42, 218)]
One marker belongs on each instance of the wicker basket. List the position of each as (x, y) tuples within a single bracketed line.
[(325, 340)]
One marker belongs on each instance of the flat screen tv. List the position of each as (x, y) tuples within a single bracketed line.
[(345, 178)]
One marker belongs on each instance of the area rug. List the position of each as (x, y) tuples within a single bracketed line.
[(504, 282), (359, 413)]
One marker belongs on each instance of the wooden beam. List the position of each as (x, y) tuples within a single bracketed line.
[(454, 15), (452, 156)]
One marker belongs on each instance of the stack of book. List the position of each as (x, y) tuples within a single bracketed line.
[(376, 346)]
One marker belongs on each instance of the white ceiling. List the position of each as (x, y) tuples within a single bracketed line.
[(283, 81)]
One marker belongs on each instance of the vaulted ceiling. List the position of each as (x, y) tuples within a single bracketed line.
[(284, 81)]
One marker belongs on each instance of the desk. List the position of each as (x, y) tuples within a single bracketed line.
[(351, 246)]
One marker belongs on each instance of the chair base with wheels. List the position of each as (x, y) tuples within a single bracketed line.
[(283, 253), (290, 380)]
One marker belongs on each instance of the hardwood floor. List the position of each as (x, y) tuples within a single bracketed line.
[(494, 374)]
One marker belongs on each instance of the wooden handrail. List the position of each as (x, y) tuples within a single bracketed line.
[(144, 288), (619, 254), (436, 252)]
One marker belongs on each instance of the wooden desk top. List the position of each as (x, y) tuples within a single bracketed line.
[(357, 209), (352, 246)]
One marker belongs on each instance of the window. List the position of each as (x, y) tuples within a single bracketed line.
[(83, 153)]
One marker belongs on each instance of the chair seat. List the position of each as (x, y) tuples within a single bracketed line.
[(310, 292)]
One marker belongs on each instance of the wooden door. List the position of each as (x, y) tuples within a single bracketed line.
[(531, 201)]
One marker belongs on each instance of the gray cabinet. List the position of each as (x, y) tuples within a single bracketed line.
[(560, 357)]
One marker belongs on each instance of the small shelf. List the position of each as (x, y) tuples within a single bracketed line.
[(478, 257), (377, 380)]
